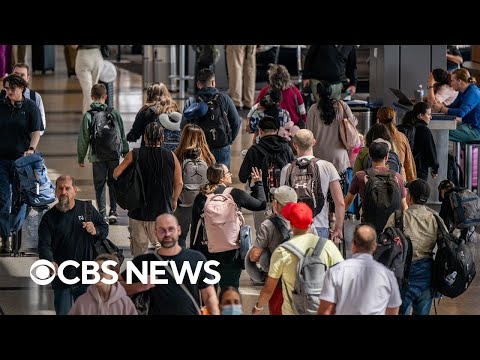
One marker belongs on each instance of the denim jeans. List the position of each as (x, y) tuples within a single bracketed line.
[(222, 155), (323, 232), (63, 298), (103, 173), (464, 133), (6, 188), (418, 294)]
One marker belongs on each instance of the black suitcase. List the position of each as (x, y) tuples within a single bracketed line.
[(43, 58), (109, 87)]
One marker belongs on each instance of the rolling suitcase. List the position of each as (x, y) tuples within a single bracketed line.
[(43, 58)]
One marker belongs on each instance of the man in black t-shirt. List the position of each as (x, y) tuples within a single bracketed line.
[(20, 127), (67, 232), (171, 298)]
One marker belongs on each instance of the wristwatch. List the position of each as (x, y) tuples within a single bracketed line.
[(31, 148)]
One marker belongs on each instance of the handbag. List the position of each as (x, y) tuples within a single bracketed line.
[(103, 246), (108, 73), (107, 246), (129, 190), (348, 132)]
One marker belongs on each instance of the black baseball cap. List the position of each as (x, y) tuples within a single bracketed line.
[(419, 190), (268, 123)]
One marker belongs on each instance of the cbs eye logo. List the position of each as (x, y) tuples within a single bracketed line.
[(42, 272)]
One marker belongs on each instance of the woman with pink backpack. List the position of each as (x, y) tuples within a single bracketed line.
[(216, 220)]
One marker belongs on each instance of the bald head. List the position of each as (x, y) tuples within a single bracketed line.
[(169, 218), (304, 140), (167, 230), (365, 239)]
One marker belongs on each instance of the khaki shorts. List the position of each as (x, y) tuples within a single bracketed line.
[(141, 234)]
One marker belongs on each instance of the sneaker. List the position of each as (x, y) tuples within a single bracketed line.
[(4, 246), (112, 217)]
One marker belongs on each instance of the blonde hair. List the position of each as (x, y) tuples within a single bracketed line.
[(464, 75), (193, 137), (159, 96)]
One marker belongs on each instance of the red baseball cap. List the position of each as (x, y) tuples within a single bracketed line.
[(299, 214)]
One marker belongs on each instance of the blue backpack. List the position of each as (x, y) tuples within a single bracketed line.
[(34, 182)]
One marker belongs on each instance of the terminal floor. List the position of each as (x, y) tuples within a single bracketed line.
[(62, 98)]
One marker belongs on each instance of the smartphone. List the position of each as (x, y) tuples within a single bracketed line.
[(88, 210)]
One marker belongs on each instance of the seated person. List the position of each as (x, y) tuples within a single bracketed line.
[(439, 89), (466, 106)]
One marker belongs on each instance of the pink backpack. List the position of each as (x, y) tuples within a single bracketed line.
[(222, 221)]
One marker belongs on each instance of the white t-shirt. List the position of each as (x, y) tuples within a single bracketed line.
[(361, 286), (328, 173)]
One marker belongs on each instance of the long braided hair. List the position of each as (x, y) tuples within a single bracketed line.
[(154, 138), (325, 104)]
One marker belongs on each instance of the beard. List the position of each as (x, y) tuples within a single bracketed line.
[(63, 204), (168, 242)]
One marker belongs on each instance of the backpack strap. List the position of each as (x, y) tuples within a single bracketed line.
[(441, 228), (33, 96), (399, 219), (296, 251), (281, 228), (227, 190), (368, 174)]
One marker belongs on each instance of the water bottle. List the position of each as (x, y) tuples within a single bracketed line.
[(419, 94)]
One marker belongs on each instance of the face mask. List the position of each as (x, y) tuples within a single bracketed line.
[(235, 309)]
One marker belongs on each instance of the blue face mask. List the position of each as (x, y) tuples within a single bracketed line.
[(234, 309)]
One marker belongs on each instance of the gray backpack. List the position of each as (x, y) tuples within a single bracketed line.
[(309, 282), (466, 208), (194, 176)]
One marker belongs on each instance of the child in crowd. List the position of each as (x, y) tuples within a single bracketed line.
[(104, 299)]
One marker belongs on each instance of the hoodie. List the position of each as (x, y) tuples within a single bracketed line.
[(271, 144), (91, 303)]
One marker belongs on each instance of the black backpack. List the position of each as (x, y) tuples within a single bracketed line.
[(394, 250), (214, 123), (409, 131), (271, 167), (304, 176), (381, 198), (105, 138), (454, 266), (129, 188), (393, 162)]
